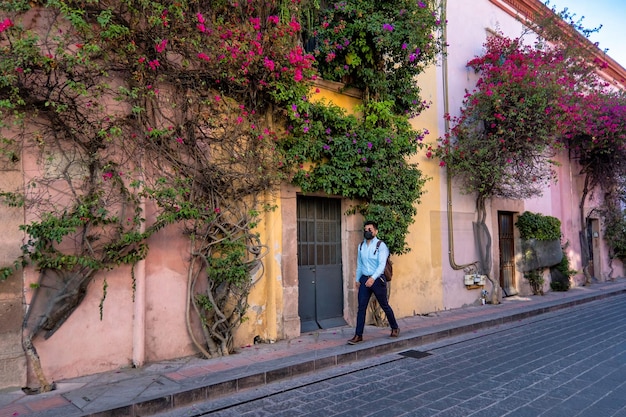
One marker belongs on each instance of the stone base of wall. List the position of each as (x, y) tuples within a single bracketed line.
[(12, 357)]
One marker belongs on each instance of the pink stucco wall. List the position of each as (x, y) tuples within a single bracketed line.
[(469, 24)]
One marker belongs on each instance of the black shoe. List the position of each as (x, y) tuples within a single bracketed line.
[(395, 332), (356, 339)]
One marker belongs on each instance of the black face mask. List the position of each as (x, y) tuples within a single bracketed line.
[(368, 235)]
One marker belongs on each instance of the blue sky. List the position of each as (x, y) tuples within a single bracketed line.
[(611, 14)]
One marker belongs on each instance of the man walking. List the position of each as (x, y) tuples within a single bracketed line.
[(371, 259)]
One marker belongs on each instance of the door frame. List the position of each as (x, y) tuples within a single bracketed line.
[(512, 206), (351, 234), (513, 250), (593, 236), (320, 271)]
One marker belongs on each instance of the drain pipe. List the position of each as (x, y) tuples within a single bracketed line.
[(446, 109), (139, 306)]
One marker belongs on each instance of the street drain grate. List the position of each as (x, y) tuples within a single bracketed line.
[(415, 354)]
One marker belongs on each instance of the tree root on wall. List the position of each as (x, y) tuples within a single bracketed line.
[(31, 353)]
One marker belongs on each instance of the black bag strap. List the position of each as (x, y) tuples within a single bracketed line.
[(377, 246)]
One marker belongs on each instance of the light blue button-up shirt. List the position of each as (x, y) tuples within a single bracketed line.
[(370, 263)]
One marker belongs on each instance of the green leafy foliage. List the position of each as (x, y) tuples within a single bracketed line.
[(536, 281), (365, 159), (539, 227), (133, 101), (614, 223), (378, 47), (563, 267)]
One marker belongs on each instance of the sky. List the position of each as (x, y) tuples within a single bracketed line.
[(611, 14)]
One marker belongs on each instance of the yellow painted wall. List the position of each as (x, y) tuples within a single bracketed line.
[(266, 299), (333, 92), (268, 306), (416, 287)]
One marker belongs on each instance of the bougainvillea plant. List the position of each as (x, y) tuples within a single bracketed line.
[(594, 131), (379, 47), (528, 100), (183, 105), (130, 103), (501, 143), (614, 223), (598, 144)]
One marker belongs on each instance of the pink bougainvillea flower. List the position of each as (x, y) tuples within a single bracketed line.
[(295, 25), (269, 64), (160, 47), (204, 57), (388, 27), (5, 24), (200, 24), (256, 22)]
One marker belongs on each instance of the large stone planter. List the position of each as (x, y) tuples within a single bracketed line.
[(537, 254)]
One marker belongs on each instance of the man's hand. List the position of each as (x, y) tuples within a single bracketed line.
[(369, 282)]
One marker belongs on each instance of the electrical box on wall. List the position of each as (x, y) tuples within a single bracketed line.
[(475, 279)]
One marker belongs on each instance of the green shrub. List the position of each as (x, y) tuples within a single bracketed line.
[(615, 232), (559, 286), (538, 226), (535, 279), (561, 281)]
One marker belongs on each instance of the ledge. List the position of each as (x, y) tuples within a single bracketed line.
[(340, 88)]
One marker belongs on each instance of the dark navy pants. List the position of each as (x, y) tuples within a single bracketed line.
[(379, 289)]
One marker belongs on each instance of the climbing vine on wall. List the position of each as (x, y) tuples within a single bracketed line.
[(200, 109)]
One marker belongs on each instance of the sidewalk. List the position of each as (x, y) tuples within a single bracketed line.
[(168, 385)]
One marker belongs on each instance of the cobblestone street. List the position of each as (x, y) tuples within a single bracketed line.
[(566, 363)]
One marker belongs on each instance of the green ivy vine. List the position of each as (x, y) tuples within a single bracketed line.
[(539, 227), (361, 159)]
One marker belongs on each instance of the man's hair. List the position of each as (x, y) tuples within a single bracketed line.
[(373, 223)]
